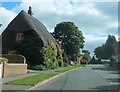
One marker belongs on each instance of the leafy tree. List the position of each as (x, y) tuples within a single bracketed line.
[(86, 55), (110, 46), (107, 50), (70, 37), (99, 52)]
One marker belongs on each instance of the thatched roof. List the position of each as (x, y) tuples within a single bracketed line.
[(25, 22)]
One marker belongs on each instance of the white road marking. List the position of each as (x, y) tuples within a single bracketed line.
[(114, 83)]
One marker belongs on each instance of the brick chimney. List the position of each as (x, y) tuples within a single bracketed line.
[(30, 11)]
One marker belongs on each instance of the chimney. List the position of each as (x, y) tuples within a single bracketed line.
[(30, 11)]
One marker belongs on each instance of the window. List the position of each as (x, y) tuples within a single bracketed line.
[(19, 37), (11, 52)]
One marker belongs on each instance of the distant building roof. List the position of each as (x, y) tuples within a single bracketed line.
[(25, 22)]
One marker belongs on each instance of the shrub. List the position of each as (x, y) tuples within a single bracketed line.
[(60, 58), (3, 59), (50, 57), (40, 67)]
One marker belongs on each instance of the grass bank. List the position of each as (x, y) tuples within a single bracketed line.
[(31, 80), (68, 68)]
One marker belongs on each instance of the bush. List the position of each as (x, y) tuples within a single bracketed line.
[(60, 58), (66, 64), (3, 59), (40, 67), (50, 57)]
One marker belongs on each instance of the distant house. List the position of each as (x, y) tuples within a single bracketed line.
[(22, 25)]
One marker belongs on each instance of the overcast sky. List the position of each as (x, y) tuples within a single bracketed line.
[(96, 19)]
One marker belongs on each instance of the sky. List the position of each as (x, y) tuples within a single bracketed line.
[(95, 18)]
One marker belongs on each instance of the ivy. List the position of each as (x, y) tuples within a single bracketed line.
[(37, 55), (50, 57)]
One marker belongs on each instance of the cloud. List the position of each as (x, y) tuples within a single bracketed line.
[(5, 17), (108, 8), (95, 20), (92, 41)]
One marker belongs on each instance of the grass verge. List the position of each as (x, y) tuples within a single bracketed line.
[(68, 68), (31, 80)]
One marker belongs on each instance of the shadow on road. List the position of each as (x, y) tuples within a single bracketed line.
[(114, 85), (111, 88), (104, 69)]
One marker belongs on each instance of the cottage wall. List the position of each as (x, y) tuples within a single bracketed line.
[(8, 41)]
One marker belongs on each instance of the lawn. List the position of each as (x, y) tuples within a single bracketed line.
[(31, 80), (68, 68)]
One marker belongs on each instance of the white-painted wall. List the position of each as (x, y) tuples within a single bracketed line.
[(1, 66)]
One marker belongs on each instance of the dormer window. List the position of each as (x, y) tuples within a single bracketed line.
[(19, 37)]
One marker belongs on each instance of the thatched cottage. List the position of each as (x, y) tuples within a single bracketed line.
[(23, 25)]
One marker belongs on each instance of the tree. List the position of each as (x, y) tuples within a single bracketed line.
[(99, 52), (70, 38), (110, 46), (107, 50), (86, 55)]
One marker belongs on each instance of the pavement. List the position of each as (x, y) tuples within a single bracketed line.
[(23, 87)]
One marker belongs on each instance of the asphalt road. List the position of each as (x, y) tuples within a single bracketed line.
[(91, 77)]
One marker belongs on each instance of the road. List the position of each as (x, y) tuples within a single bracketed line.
[(91, 77)]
